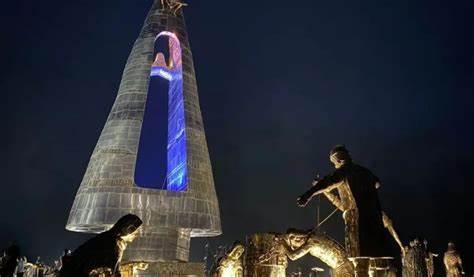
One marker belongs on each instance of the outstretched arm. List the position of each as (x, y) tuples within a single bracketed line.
[(335, 200), (326, 184), (387, 223)]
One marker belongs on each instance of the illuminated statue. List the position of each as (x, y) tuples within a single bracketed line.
[(297, 244), (407, 261), (265, 255), (357, 198), (230, 265), (419, 259), (430, 263), (103, 253), (414, 260), (429, 259), (452, 262), (173, 5)]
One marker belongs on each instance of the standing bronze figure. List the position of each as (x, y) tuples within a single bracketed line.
[(429, 259), (452, 262), (365, 234), (416, 260)]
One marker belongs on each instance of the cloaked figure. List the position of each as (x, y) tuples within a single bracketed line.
[(103, 251), (429, 259), (8, 262), (357, 198), (65, 258), (452, 262), (418, 259)]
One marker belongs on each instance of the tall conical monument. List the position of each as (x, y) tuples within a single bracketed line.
[(123, 175)]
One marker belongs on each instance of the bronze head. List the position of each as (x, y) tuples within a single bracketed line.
[(127, 227), (295, 238), (339, 156), (237, 250)]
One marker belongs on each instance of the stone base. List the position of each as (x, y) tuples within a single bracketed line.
[(258, 245), (171, 269), (165, 244), (374, 266)]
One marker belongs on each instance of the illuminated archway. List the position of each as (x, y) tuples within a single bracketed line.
[(150, 171)]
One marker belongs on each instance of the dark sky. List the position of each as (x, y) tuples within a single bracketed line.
[(280, 83)]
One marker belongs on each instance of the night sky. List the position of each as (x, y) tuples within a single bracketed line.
[(280, 83)]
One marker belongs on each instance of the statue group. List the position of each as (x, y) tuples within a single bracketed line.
[(372, 246)]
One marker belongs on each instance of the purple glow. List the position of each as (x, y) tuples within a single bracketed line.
[(171, 70)]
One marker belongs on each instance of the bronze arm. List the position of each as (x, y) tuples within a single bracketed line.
[(335, 200), (325, 184), (387, 223)]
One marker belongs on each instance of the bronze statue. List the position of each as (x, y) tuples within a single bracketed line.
[(230, 265), (173, 5), (452, 262), (430, 263), (8, 261), (415, 263), (429, 259), (419, 259), (265, 255), (408, 261), (103, 252), (298, 243), (357, 198)]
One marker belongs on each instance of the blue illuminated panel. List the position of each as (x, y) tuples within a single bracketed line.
[(177, 172), (160, 162)]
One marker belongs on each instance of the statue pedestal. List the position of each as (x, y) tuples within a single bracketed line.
[(159, 244), (374, 266), (170, 269), (258, 245)]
